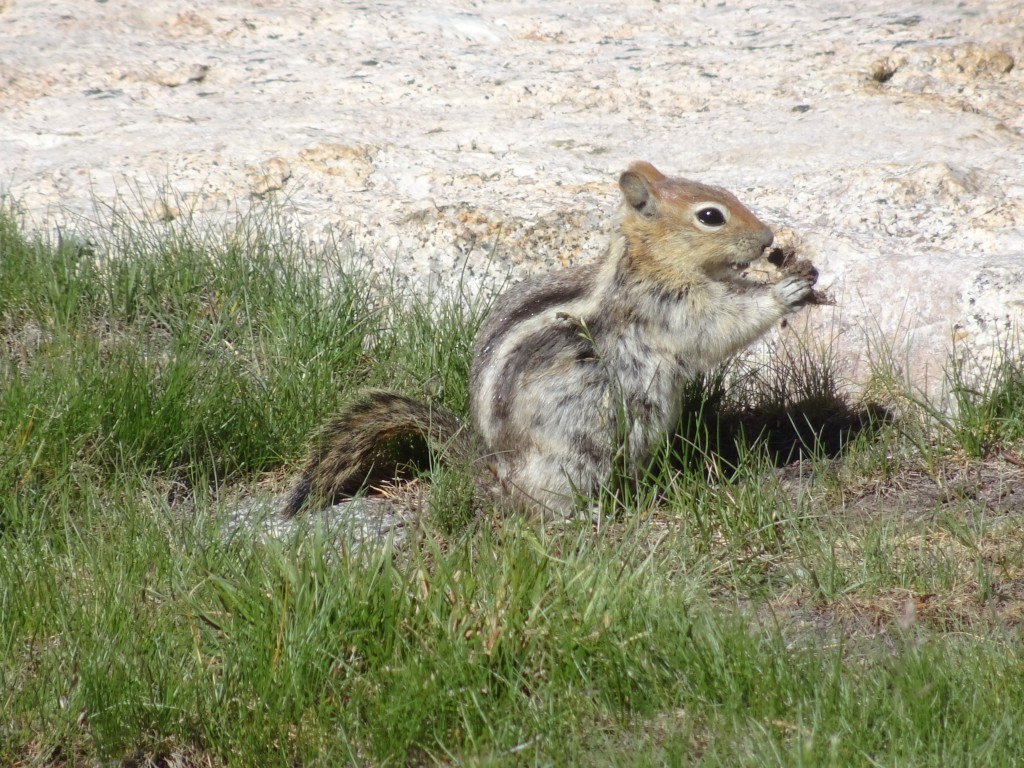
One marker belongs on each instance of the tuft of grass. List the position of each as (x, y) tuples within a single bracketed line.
[(797, 580), (204, 356), (989, 412)]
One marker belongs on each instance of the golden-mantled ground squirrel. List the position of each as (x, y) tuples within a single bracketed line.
[(575, 368)]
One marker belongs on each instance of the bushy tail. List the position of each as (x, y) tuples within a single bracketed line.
[(353, 446)]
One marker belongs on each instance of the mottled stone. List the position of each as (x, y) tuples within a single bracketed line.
[(464, 139)]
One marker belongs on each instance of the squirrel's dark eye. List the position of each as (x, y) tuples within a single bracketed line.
[(711, 216)]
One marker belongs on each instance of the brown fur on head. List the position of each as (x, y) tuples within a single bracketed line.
[(679, 231)]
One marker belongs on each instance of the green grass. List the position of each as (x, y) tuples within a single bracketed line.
[(800, 581)]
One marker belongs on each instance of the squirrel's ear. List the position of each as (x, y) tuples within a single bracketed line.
[(637, 191)]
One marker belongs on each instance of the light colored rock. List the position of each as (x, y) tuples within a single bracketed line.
[(161, 210), (269, 176), (463, 139), (355, 524), (172, 74)]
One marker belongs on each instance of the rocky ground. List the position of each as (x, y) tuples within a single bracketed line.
[(885, 138)]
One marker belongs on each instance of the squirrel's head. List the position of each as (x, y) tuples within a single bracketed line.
[(676, 226)]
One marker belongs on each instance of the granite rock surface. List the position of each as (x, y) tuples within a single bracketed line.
[(885, 139)]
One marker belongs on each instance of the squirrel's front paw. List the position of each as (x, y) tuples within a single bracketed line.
[(792, 290)]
